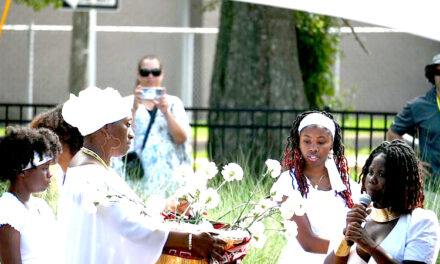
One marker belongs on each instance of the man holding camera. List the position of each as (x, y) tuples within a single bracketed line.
[(161, 128)]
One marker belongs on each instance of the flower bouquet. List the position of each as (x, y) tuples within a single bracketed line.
[(187, 211)]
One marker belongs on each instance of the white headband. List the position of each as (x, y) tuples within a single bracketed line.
[(37, 161), (317, 119)]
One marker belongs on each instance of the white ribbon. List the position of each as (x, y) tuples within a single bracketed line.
[(334, 176)]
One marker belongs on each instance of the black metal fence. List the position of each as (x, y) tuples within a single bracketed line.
[(361, 130)]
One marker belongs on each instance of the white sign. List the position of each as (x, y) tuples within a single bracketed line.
[(89, 4)]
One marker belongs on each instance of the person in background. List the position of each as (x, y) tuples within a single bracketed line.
[(422, 114), (70, 138), (71, 142), (101, 218), (398, 229), (167, 145), (316, 170), (27, 224)]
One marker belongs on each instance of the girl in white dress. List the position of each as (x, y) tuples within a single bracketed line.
[(27, 224), (317, 170), (397, 230)]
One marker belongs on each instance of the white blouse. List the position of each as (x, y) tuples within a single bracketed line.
[(326, 212), (102, 222), (415, 237), (37, 227)]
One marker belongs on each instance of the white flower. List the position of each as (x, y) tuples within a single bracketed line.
[(183, 173), (273, 167), (207, 170), (258, 236), (276, 191), (183, 193), (263, 206), (232, 171), (196, 186), (258, 241), (292, 206), (257, 228), (210, 197), (290, 229), (155, 205)]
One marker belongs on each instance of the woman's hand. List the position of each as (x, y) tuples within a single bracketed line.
[(208, 245), (357, 214), (162, 103), (137, 94), (356, 233)]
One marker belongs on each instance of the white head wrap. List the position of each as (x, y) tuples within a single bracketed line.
[(324, 121), (318, 119), (37, 161), (94, 108)]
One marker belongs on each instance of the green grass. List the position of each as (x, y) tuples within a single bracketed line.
[(364, 122)]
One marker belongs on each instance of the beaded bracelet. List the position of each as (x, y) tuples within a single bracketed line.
[(190, 241)]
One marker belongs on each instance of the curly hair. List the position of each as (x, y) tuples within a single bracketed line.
[(53, 120), (294, 162), (18, 147), (403, 185)]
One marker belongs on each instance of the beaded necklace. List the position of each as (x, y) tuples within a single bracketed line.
[(94, 155)]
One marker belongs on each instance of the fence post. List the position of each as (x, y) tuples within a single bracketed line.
[(30, 94)]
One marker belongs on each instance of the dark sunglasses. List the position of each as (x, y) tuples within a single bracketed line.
[(437, 72), (146, 72)]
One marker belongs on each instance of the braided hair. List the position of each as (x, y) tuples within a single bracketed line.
[(403, 187), (18, 147), (294, 161)]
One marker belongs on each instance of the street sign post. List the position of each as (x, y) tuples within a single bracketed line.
[(90, 4)]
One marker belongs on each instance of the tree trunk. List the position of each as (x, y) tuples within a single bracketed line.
[(78, 77), (256, 66)]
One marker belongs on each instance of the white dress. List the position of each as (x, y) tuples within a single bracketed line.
[(326, 212), (415, 236), (37, 227), (102, 221)]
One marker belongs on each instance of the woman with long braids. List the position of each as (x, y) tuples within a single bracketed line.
[(397, 230), (27, 224), (316, 169)]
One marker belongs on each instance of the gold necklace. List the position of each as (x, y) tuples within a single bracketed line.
[(383, 215), (319, 181), (94, 155)]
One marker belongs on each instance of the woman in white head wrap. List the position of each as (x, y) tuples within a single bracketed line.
[(103, 219), (316, 170)]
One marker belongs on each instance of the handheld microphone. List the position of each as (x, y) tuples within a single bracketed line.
[(344, 247), (365, 200)]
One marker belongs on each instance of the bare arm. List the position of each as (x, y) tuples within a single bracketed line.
[(309, 241), (9, 245), (203, 243), (393, 135), (177, 132)]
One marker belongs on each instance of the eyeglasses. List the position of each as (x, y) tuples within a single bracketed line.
[(146, 72), (437, 72)]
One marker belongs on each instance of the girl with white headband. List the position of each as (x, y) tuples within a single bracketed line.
[(27, 224), (317, 170)]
